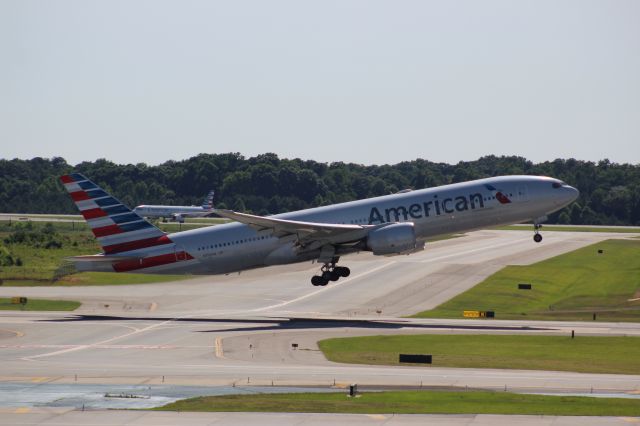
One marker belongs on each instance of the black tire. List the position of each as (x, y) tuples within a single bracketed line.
[(537, 238), (317, 280), (343, 271), (334, 275)]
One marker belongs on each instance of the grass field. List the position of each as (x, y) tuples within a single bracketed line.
[(413, 402), (570, 228), (586, 354), (39, 305), (39, 263), (572, 286)]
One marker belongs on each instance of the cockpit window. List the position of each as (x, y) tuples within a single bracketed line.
[(557, 184)]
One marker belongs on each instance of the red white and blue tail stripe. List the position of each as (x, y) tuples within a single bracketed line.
[(119, 230), (207, 204)]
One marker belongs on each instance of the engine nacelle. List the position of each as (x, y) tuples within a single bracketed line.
[(398, 238)]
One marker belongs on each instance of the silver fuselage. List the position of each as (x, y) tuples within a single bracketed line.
[(447, 209)]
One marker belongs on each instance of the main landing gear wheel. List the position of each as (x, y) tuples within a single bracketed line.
[(342, 271), (330, 272), (317, 280), (536, 236)]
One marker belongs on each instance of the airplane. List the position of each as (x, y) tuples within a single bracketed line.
[(177, 213), (389, 225)]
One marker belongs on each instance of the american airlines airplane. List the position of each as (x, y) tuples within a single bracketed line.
[(388, 225), (177, 213)]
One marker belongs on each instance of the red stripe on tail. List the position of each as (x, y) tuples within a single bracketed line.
[(93, 213), (79, 196), (66, 179), (106, 231)]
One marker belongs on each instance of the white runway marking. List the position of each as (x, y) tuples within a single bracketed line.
[(326, 288), (475, 250), (104, 342)]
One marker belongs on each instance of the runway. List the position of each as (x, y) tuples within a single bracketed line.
[(238, 330)]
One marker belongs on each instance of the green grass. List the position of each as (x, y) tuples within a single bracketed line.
[(39, 263), (95, 278), (572, 286), (39, 305), (570, 228), (413, 402), (586, 354)]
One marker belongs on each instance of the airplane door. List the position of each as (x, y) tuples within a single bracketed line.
[(522, 193)]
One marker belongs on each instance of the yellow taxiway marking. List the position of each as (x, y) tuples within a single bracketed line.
[(377, 416), (39, 379), (17, 333), (22, 410), (219, 350)]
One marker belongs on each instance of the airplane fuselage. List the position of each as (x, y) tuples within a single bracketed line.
[(171, 211), (447, 209)]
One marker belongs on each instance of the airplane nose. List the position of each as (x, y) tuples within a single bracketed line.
[(573, 193), (567, 195)]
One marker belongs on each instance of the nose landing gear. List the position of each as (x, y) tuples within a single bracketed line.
[(536, 232), (330, 272)]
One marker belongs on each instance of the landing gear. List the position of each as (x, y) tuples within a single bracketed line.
[(536, 232), (330, 272)]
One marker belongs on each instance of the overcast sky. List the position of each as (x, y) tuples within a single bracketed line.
[(366, 81)]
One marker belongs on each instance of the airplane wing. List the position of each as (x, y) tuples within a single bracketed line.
[(307, 232)]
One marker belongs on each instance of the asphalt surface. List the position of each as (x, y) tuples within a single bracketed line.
[(239, 330), (66, 417)]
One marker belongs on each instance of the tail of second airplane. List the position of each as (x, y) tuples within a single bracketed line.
[(207, 204), (128, 241)]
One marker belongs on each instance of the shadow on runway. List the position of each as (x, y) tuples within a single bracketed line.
[(287, 323)]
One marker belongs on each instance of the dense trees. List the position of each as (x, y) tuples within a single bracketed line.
[(610, 192)]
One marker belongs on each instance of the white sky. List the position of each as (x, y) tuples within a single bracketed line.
[(362, 81)]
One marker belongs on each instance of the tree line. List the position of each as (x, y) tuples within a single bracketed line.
[(266, 184)]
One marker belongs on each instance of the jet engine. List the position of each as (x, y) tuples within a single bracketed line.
[(398, 238)]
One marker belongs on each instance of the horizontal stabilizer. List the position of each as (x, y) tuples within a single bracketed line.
[(102, 258)]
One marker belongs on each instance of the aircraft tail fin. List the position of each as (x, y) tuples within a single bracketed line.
[(208, 200), (115, 226)]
